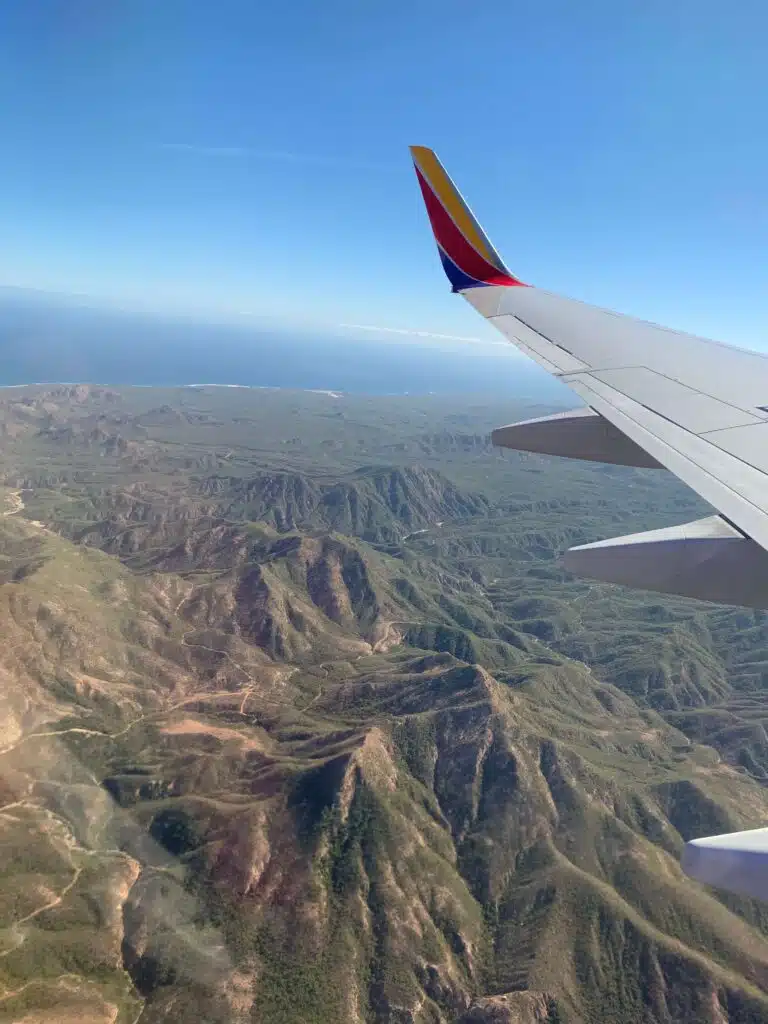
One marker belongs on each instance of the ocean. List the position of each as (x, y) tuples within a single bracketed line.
[(42, 340)]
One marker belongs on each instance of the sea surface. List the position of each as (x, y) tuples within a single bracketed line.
[(42, 340)]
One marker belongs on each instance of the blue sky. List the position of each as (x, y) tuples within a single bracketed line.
[(251, 158)]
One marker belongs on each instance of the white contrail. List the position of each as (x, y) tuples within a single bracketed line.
[(278, 155), (420, 334), (187, 147)]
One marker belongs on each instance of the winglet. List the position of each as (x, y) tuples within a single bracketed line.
[(468, 258)]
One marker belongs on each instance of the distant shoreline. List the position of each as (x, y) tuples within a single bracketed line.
[(336, 394), (43, 344)]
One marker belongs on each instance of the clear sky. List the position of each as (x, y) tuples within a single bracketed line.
[(251, 157)]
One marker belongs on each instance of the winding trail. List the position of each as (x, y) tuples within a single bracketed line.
[(54, 903), (15, 503), (49, 981), (254, 684)]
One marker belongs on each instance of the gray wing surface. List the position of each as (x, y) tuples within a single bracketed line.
[(696, 406), (655, 398)]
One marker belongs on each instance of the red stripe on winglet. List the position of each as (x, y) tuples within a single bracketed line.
[(453, 242)]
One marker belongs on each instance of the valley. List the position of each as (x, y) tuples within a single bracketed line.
[(303, 722)]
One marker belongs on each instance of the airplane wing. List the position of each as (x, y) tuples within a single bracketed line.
[(654, 397)]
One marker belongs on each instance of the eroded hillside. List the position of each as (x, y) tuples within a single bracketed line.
[(302, 722)]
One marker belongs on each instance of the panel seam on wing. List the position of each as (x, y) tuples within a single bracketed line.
[(683, 455)]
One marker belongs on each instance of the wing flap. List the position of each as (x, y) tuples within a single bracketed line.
[(697, 412), (736, 489), (747, 443)]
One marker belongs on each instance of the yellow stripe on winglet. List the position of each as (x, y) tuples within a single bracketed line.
[(441, 184)]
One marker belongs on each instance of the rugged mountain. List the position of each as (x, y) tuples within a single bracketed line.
[(257, 768), (377, 504)]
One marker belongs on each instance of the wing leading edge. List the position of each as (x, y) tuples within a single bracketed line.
[(654, 397)]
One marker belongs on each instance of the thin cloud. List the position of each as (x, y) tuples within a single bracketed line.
[(322, 160), (275, 155), (186, 147), (420, 334)]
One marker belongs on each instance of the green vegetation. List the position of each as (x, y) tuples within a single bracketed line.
[(303, 722)]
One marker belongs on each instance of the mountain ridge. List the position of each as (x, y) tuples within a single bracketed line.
[(253, 772)]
